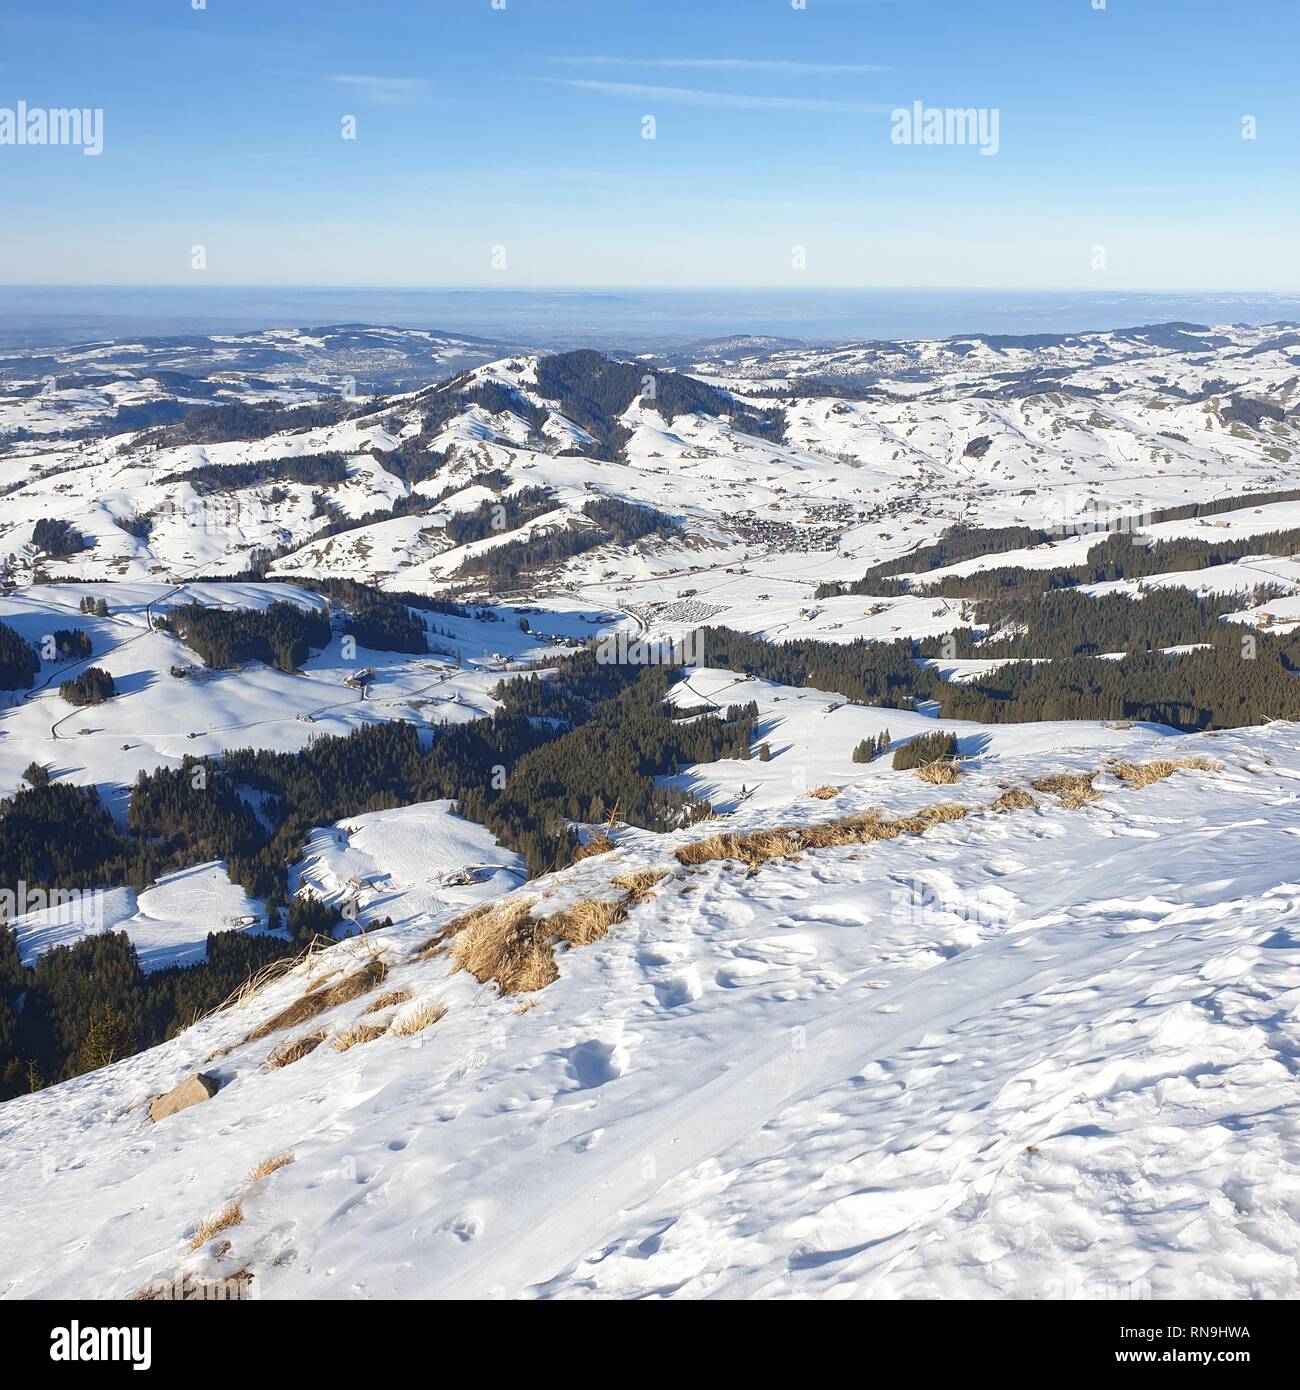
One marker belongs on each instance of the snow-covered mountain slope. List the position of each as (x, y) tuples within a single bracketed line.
[(1015, 1033), (169, 707), (1032, 1052), (48, 393), (772, 491)]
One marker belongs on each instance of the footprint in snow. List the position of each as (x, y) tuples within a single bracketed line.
[(738, 973), (680, 989), (594, 1063), (467, 1227)]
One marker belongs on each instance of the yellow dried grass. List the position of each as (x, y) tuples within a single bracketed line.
[(317, 1001), (418, 1017), (942, 772), (358, 1033), (269, 1166), (293, 1051), (387, 1000), (232, 1214)]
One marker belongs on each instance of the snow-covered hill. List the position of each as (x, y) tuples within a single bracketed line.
[(1029, 1031), (1030, 1052), (826, 486)]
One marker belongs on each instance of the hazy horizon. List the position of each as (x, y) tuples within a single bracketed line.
[(48, 316)]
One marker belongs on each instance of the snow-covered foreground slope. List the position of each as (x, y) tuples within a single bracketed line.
[(1041, 1052)]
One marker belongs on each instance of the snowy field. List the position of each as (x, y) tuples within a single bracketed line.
[(157, 719), (168, 924), (811, 735), (409, 864)]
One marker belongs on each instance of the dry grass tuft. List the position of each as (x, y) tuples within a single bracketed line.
[(370, 976), (784, 843), (438, 942), (417, 1018), (358, 1033), (289, 1052), (599, 844), (639, 884), (188, 1288), (1144, 774), (852, 830), (941, 771), (754, 849), (269, 1166), (703, 851), (300, 1011), (1017, 799), (825, 793), (1074, 789), (585, 921), (232, 1214), (762, 845), (388, 999), (500, 941)]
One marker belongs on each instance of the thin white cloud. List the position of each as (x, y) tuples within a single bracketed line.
[(390, 91), (773, 65), (690, 96)]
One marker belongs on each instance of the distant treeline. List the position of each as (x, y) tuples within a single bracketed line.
[(86, 1005), (282, 634), (413, 504), (1240, 677), (1065, 622), (491, 518), (961, 543), (58, 538), (220, 424), (19, 661), (92, 686), (868, 673), (314, 470), (623, 522), (1116, 557), (285, 635)]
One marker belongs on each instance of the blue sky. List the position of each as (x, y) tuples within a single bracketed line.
[(481, 128)]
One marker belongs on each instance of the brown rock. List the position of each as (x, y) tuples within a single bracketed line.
[(192, 1091)]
